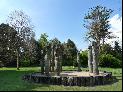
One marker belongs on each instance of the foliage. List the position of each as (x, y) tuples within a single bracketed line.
[(43, 40), (55, 41), (96, 21), (107, 60), (117, 51), (32, 53), (84, 58), (70, 53), (22, 24), (25, 63), (7, 43), (106, 49)]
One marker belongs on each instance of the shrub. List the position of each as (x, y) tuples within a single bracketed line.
[(25, 63), (84, 58), (67, 62), (107, 60)]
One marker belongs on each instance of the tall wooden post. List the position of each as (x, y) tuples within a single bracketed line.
[(47, 60), (60, 56), (95, 51), (42, 62), (46, 65), (90, 59), (52, 59), (57, 61)]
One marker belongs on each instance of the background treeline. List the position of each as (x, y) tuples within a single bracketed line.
[(30, 51), (110, 56), (18, 46)]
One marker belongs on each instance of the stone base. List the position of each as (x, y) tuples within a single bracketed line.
[(70, 79)]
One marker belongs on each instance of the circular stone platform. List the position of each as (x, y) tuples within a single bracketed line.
[(70, 78)]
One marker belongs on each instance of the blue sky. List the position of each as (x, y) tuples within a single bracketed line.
[(59, 18)]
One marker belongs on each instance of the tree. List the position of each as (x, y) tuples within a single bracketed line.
[(7, 43), (106, 49), (117, 52), (22, 24), (70, 52), (54, 41), (31, 52), (43, 41), (84, 58), (97, 22)]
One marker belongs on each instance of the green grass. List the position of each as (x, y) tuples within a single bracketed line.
[(10, 80)]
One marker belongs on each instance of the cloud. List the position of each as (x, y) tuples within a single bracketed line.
[(116, 29)]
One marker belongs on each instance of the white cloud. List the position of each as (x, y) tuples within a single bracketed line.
[(116, 28)]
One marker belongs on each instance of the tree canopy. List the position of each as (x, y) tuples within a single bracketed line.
[(97, 23)]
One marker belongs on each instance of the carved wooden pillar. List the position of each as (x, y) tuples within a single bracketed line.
[(53, 58), (90, 59), (46, 65), (57, 61), (60, 56), (47, 60), (42, 62), (95, 58)]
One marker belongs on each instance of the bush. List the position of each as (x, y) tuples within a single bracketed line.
[(107, 60), (67, 62), (25, 63), (84, 58)]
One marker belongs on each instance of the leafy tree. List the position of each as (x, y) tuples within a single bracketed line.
[(108, 60), (70, 52), (97, 22), (106, 49), (43, 41), (22, 24), (117, 52), (7, 43), (84, 58), (32, 53), (117, 48), (54, 41)]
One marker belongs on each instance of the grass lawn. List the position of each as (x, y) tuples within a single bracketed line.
[(10, 80)]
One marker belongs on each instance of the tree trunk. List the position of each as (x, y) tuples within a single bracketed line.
[(98, 47), (90, 59), (17, 59), (95, 58)]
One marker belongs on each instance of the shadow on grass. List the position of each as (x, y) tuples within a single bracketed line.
[(11, 80), (115, 79)]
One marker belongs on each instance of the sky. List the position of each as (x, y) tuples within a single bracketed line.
[(63, 19)]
